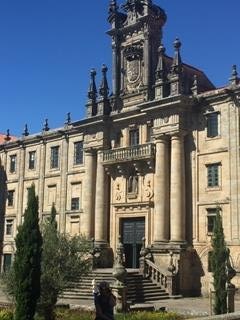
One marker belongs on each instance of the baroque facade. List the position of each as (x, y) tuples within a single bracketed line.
[(154, 159)]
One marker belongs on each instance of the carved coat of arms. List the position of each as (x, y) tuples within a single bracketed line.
[(133, 56), (133, 70)]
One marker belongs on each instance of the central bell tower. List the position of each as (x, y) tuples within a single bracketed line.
[(136, 32)]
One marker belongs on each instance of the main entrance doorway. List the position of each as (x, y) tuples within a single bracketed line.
[(133, 230)]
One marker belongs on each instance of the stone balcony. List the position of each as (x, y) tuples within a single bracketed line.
[(133, 153)]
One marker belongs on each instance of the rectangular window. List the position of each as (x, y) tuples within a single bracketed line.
[(212, 125), (210, 254), (149, 133), (134, 137), (54, 163), (9, 227), (7, 261), (118, 139), (75, 204), (32, 160), (10, 198), (78, 152), (211, 218), (13, 163), (213, 175)]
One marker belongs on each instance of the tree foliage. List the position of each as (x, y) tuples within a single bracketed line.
[(27, 263), (63, 260), (219, 261)]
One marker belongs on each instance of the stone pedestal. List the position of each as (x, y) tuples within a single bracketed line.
[(231, 290), (120, 292)]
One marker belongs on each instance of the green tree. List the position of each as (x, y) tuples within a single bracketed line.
[(63, 260), (27, 263), (219, 260)]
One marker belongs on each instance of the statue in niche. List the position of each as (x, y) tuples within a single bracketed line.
[(133, 184)]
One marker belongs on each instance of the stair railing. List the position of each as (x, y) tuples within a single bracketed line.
[(166, 278), (161, 276)]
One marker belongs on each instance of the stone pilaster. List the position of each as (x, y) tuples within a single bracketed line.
[(63, 190), (161, 193), (41, 177), (101, 215), (87, 222), (177, 189), (21, 174)]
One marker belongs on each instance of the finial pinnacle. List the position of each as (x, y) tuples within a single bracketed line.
[(68, 119), (104, 89), (234, 80), (92, 91), (45, 126), (7, 138), (26, 132)]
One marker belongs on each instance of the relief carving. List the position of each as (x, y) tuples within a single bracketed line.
[(118, 193), (148, 190)]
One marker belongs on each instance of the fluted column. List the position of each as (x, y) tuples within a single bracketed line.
[(87, 222), (177, 189), (101, 218), (161, 193)]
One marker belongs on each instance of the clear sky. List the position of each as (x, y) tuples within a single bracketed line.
[(47, 48)]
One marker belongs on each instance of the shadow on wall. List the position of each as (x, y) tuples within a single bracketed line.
[(3, 196), (193, 272)]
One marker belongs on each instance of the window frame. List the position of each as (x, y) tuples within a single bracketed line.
[(12, 192), (9, 223), (211, 213), (75, 206), (32, 162), (54, 157), (78, 153), (213, 175), (13, 163), (134, 137), (213, 124)]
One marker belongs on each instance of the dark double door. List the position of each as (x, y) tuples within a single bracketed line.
[(133, 230)]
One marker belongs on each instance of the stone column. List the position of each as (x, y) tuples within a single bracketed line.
[(161, 193), (101, 218), (177, 189), (87, 222)]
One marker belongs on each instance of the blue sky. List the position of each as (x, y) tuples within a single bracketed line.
[(47, 48)]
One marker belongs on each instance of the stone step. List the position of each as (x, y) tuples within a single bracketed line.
[(139, 289)]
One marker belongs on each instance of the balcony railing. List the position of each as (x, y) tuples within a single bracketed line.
[(139, 152)]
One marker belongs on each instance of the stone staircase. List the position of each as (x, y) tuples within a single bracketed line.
[(139, 290)]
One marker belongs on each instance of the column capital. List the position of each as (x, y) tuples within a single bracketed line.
[(161, 138), (178, 134), (89, 151)]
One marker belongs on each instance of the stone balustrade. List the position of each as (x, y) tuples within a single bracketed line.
[(139, 152)]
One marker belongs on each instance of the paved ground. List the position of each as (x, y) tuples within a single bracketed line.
[(186, 306)]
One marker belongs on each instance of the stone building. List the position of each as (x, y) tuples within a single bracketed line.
[(154, 159)]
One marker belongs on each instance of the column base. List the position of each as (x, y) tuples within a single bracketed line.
[(101, 244), (161, 246)]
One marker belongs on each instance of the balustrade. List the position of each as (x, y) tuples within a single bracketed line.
[(130, 153)]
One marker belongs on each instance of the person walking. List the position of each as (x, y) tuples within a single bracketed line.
[(104, 301)]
